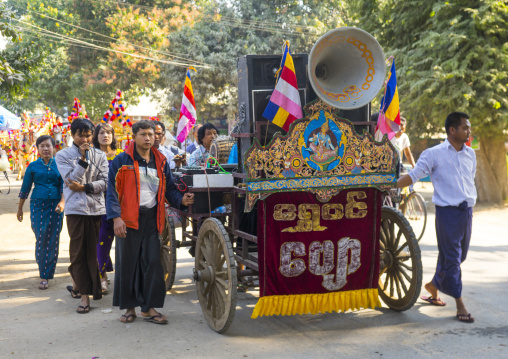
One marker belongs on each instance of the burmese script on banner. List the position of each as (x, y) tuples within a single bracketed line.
[(318, 257)]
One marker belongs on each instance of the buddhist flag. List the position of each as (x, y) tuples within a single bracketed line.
[(187, 111), (285, 106), (389, 115)]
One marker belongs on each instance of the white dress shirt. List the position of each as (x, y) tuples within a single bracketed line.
[(168, 154), (452, 174)]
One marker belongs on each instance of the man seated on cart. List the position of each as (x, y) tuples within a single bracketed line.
[(206, 135), (139, 218)]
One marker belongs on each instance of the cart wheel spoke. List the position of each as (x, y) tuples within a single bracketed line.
[(397, 240), (202, 264), (405, 266), (400, 284), (382, 238), (386, 231), (214, 254), (223, 274), (385, 285), (397, 283)]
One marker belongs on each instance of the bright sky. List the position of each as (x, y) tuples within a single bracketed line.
[(3, 42)]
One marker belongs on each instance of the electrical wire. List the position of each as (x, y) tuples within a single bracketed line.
[(260, 27), (151, 8), (115, 39), (116, 51)]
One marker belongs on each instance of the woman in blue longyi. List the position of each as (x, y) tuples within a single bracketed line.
[(46, 207)]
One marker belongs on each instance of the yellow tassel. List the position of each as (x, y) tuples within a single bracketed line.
[(316, 303)]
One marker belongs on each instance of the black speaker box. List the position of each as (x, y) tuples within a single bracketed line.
[(256, 82)]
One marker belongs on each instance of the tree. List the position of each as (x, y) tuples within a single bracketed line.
[(226, 30), (95, 48), (18, 62), (450, 56)]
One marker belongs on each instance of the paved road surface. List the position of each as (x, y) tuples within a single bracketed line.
[(43, 324)]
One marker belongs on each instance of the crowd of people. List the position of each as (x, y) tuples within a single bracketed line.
[(106, 193), (92, 183)]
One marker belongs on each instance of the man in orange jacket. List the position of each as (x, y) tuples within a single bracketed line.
[(139, 183)]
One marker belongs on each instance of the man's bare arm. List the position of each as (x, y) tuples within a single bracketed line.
[(404, 181)]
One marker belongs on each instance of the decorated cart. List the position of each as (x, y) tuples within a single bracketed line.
[(306, 224)]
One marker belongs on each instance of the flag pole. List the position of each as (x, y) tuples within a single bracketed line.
[(286, 44)]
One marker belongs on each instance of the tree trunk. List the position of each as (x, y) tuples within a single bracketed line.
[(491, 176)]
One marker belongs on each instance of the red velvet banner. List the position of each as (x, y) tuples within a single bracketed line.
[(309, 247)]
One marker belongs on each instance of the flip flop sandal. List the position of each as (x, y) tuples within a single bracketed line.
[(433, 301), (466, 318), (43, 285), (127, 318), (104, 287), (74, 294), (153, 320), (85, 309)]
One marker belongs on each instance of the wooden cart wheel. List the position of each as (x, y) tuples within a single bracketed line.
[(215, 275), (400, 276), (168, 252)]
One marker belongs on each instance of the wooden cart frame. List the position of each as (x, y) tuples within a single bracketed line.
[(226, 258)]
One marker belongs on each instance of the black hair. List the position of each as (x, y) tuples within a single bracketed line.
[(374, 117), (106, 127), (43, 138), (202, 131), (453, 120), (403, 120), (161, 124), (81, 125), (143, 125)]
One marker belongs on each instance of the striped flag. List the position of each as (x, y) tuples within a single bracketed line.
[(285, 106), (187, 111), (388, 121)]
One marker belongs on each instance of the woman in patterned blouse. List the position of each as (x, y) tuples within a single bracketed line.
[(46, 207), (104, 139)]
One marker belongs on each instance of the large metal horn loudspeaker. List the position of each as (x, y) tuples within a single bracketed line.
[(347, 68)]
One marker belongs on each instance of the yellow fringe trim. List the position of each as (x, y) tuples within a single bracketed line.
[(316, 303)]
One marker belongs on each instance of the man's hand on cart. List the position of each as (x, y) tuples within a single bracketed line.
[(120, 227), (188, 198)]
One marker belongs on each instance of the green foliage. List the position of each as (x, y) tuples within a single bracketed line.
[(229, 29), (449, 56), (87, 69), (19, 61)]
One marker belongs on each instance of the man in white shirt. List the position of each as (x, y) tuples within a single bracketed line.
[(401, 143), (452, 167), (160, 133)]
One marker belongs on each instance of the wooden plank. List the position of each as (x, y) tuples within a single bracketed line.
[(237, 233), (248, 263)]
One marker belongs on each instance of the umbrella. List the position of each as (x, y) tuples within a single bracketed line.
[(8, 120)]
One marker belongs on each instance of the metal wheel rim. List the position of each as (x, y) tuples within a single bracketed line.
[(214, 255), (400, 280)]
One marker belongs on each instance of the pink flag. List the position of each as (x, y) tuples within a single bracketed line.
[(187, 111)]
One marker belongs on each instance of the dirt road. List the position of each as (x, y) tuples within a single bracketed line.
[(44, 324)]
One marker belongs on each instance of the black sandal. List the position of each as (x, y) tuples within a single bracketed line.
[(85, 309), (153, 320), (465, 318), (74, 294)]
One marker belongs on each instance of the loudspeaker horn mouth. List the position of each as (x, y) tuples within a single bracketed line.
[(347, 68), (321, 71)]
